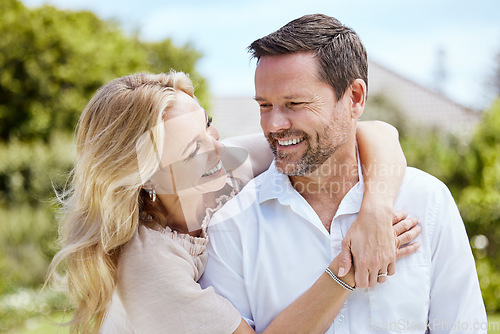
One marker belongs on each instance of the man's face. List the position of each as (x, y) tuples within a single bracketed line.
[(300, 116)]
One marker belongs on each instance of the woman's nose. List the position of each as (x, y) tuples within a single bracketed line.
[(212, 131)]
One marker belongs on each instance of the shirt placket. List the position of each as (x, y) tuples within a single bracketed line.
[(341, 323)]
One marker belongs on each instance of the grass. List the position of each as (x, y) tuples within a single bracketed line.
[(494, 322), (43, 325)]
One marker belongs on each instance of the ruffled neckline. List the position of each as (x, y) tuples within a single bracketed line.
[(195, 246)]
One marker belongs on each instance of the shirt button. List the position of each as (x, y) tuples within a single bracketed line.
[(341, 318)]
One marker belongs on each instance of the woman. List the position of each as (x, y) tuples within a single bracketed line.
[(148, 170)]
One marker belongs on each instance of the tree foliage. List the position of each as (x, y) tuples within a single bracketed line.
[(471, 169), (479, 202), (472, 172), (52, 61), (29, 171)]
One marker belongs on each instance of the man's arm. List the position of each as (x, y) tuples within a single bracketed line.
[(369, 243), (456, 304)]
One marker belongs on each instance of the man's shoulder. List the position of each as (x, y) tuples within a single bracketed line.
[(422, 190), (418, 179)]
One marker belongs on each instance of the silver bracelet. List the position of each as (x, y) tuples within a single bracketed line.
[(339, 281)]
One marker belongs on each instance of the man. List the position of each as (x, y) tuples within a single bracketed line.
[(270, 243)]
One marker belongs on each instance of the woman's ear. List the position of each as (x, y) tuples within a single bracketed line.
[(358, 98), (148, 185)]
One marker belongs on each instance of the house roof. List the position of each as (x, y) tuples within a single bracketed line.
[(422, 105)]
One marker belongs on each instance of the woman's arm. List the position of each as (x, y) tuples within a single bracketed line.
[(257, 148), (370, 239), (382, 160), (315, 310), (383, 164), (312, 312)]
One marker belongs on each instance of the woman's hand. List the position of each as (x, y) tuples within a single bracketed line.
[(405, 231), (314, 311)]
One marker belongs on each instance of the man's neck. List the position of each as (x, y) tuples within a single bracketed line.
[(325, 188)]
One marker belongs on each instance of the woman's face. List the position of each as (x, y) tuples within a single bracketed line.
[(190, 160)]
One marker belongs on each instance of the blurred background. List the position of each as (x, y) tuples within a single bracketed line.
[(434, 74)]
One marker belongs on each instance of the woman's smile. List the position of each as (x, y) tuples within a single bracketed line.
[(216, 168)]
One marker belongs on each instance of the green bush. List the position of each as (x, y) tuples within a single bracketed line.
[(470, 167), (28, 232), (24, 304), (51, 63), (472, 172), (479, 202)]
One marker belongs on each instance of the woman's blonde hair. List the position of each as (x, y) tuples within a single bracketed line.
[(100, 210)]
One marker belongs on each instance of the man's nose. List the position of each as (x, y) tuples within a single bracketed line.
[(275, 120)]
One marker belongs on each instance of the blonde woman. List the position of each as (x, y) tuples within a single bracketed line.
[(148, 174)]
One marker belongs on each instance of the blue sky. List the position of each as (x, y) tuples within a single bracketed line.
[(403, 35)]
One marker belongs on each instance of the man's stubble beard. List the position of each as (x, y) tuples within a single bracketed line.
[(325, 145)]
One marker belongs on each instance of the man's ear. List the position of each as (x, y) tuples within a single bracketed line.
[(358, 98)]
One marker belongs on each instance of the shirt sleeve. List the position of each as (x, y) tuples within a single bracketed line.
[(224, 270), (158, 291), (456, 304)]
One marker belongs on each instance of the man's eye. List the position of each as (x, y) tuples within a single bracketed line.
[(296, 103)]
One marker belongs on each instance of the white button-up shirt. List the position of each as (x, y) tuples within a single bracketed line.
[(268, 246)]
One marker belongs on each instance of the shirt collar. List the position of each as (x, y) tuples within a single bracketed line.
[(351, 203), (276, 185)]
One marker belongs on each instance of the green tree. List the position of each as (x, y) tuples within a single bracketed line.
[(481, 198), (52, 61), (479, 203), (471, 170)]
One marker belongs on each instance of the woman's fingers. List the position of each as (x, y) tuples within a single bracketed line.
[(391, 269), (398, 216), (382, 275), (399, 227), (406, 231), (403, 227), (408, 236), (407, 250)]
